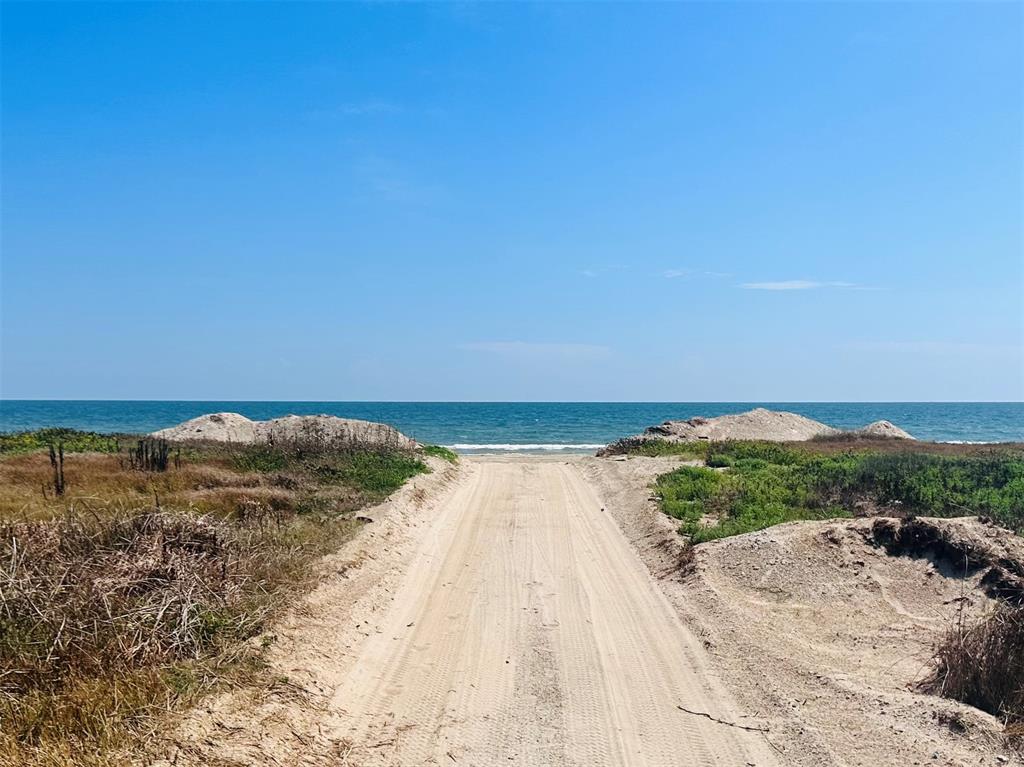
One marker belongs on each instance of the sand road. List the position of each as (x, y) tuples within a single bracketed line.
[(526, 631)]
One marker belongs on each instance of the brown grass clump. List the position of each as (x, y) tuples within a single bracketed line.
[(982, 664)]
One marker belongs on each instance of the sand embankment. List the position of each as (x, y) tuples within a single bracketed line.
[(825, 630)]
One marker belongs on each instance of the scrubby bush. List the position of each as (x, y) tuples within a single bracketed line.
[(982, 664), (439, 451), (74, 441), (766, 483)]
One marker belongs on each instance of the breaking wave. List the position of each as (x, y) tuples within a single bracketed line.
[(533, 447)]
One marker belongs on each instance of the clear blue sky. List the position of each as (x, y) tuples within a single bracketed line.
[(513, 202)]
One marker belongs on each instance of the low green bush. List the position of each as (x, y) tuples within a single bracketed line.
[(440, 451), (74, 441), (767, 483)]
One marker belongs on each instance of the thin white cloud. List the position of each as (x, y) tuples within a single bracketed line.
[(597, 271), (356, 109), (672, 274), (941, 348), (797, 285), (394, 182), (374, 107), (526, 349)]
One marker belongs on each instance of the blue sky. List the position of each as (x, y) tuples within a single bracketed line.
[(513, 202)]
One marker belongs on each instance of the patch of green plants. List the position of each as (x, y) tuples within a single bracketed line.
[(260, 458), (375, 473), (74, 441), (440, 451), (378, 473), (748, 486), (654, 448)]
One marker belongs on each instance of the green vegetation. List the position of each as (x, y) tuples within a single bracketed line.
[(439, 451), (374, 473), (73, 441), (97, 635), (660, 447), (753, 485)]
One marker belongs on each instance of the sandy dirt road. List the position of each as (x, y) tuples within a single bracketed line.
[(526, 631)]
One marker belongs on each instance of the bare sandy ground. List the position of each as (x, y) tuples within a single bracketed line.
[(523, 630), (532, 611)]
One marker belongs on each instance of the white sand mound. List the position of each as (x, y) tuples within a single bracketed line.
[(757, 424), (232, 427), (331, 429), (772, 425), (883, 429), (216, 427)]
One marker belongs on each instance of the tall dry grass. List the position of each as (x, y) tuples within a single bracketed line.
[(982, 664), (135, 591)]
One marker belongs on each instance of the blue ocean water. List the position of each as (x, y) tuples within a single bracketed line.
[(480, 426)]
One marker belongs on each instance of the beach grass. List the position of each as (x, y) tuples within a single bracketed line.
[(136, 591)]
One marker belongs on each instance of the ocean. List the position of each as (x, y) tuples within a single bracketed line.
[(526, 426)]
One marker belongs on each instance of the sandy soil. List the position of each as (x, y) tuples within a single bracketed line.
[(533, 611), (816, 631), (525, 630)]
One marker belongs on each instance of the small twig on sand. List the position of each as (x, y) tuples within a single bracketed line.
[(722, 721)]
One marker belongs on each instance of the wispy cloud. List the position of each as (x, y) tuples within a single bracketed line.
[(597, 271), (369, 108), (394, 182), (673, 274), (941, 348), (797, 285), (526, 349), (374, 107)]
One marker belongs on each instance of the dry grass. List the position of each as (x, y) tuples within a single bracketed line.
[(134, 592), (982, 664)]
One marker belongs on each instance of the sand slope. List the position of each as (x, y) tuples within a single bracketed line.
[(820, 630)]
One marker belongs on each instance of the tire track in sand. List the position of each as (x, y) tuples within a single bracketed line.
[(528, 632)]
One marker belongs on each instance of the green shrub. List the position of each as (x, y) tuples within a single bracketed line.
[(260, 458), (660, 447), (439, 451), (769, 483), (74, 441)]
